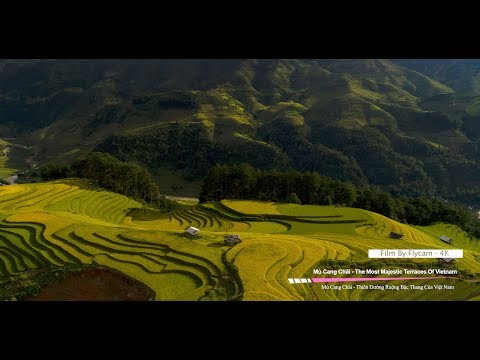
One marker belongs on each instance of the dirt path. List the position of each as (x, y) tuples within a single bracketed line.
[(174, 197)]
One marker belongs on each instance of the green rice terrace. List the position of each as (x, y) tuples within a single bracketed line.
[(68, 223)]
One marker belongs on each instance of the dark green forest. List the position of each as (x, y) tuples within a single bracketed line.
[(399, 165), (189, 148)]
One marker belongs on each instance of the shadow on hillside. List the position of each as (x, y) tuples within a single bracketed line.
[(146, 214)]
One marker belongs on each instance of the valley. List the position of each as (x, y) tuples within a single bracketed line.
[(279, 168)]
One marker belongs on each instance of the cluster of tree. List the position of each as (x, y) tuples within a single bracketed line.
[(190, 148), (128, 179), (56, 171), (244, 182)]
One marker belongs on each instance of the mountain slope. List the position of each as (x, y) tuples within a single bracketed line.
[(462, 75), (359, 120)]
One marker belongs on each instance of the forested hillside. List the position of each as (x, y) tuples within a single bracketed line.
[(409, 127)]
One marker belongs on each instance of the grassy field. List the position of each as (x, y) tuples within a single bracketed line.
[(299, 211), (261, 207), (71, 222)]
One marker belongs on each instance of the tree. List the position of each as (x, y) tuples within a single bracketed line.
[(345, 193), (309, 187), (55, 171), (384, 204), (293, 199), (125, 178)]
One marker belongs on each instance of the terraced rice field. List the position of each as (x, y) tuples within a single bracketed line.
[(72, 222), (459, 237)]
